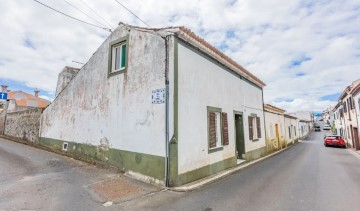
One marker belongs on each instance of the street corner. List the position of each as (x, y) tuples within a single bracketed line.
[(119, 189)]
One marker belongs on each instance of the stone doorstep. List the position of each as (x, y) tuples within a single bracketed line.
[(212, 178)]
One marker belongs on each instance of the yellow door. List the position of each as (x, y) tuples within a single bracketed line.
[(277, 134)]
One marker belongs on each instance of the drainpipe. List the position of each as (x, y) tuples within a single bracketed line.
[(166, 179)]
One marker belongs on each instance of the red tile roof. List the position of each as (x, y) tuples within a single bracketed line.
[(27, 100)]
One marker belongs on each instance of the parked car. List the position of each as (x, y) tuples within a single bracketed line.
[(334, 140), (317, 128), (326, 127)]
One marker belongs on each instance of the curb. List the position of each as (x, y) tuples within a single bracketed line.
[(357, 155), (210, 179)]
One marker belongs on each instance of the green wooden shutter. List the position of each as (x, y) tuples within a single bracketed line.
[(225, 129), (212, 130), (123, 56)]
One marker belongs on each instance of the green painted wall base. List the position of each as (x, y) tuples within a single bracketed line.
[(256, 154), (204, 171), (149, 165)]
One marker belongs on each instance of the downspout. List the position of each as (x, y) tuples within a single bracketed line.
[(166, 179), (262, 95)]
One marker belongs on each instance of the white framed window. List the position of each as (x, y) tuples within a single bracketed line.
[(118, 56), (271, 131), (254, 127)]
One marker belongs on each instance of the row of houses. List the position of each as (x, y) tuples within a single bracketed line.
[(165, 105), (344, 117)]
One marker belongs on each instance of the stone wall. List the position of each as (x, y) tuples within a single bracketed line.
[(2, 121), (23, 124)]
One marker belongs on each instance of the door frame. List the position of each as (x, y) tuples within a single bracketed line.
[(243, 135)]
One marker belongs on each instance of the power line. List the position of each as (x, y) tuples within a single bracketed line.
[(96, 13), (84, 13), (133, 14), (72, 17)]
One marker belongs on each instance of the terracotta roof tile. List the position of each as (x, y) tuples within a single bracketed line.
[(27, 100)]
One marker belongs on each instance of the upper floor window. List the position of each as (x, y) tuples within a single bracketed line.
[(118, 54)]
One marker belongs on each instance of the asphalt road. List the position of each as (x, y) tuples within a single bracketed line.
[(307, 176), (33, 179)]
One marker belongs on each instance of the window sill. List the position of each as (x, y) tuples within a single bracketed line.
[(215, 149), (254, 140), (116, 72)]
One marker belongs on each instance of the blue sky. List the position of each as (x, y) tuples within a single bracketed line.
[(305, 51)]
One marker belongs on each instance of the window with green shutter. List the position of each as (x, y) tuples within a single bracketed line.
[(118, 55)]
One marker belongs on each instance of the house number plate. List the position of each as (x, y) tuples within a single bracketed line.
[(158, 96)]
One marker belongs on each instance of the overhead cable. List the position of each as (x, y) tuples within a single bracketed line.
[(97, 14), (84, 13), (133, 14), (106, 29)]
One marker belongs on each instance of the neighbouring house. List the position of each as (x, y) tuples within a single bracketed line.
[(350, 117), (291, 129), (162, 104), (64, 78), (339, 119), (305, 127), (355, 92), (20, 101), (274, 125), (20, 117)]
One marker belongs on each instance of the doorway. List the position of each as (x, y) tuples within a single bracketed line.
[(355, 136), (239, 136)]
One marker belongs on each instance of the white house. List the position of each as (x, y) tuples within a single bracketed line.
[(291, 129), (338, 119), (355, 92), (161, 103), (350, 116)]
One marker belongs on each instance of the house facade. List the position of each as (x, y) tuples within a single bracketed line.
[(338, 119), (274, 125), (162, 104), (350, 116), (291, 129), (355, 92)]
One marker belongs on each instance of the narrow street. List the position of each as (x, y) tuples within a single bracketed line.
[(34, 179), (307, 176)]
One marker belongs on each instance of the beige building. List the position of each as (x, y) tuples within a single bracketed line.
[(274, 127)]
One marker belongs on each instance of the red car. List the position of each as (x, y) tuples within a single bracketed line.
[(334, 140)]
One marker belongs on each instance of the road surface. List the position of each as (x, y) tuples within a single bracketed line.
[(307, 176)]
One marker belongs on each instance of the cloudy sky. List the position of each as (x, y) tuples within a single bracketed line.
[(306, 52)]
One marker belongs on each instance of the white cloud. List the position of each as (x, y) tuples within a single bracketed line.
[(266, 37)]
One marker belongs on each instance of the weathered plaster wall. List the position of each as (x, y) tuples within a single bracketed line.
[(64, 78), (272, 142), (292, 135), (23, 124), (202, 83), (94, 107)]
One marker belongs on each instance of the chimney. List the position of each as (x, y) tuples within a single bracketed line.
[(36, 91), (4, 88)]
